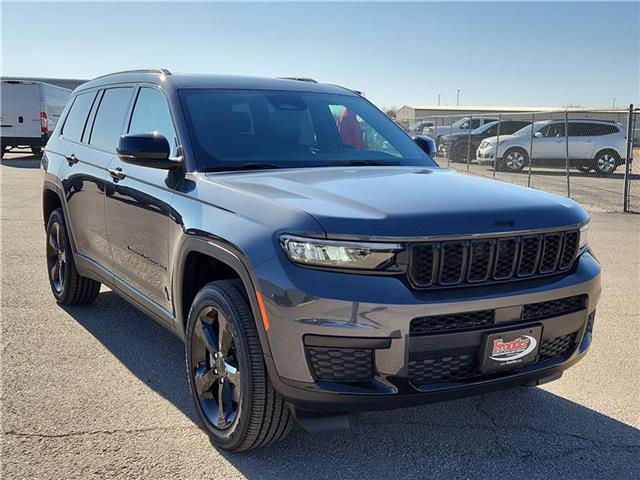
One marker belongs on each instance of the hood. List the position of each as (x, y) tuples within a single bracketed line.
[(397, 201), (502, 137)]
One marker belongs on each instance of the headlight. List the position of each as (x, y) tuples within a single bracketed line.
[(338, 254), (583, 239)]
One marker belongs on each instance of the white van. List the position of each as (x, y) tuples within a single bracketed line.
[(30, 111)]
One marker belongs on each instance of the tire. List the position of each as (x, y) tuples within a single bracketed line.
[(514, 160), (459, 154), (254, 415), (606, 162), (67, 285), (36, 150)]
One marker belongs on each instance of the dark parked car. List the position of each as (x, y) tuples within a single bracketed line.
[(459, 145), (313, 267)]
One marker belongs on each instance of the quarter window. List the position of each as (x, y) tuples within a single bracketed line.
[(109, 122), (74, 124), (151, 114)]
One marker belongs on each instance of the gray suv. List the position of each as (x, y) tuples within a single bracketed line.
[(313, 257)]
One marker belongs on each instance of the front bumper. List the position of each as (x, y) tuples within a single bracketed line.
[(376, 311), (486, 155)]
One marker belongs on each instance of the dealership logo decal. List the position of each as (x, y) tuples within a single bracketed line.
[(514, 350)]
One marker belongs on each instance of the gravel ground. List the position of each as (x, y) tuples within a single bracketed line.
[(99, 391)]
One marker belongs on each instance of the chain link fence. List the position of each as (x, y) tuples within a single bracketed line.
[(586, 155)]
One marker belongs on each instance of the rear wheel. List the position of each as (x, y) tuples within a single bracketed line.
[(67, 285), (606, 162), (227, 377), (459, 154)]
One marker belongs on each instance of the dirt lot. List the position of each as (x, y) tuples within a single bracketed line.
[(99, 391)]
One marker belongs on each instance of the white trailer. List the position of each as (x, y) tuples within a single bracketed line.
[(30, 111)]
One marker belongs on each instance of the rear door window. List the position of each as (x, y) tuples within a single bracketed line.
[(109, 122), (77, 117)]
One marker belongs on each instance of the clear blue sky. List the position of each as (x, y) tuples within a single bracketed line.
[(539, 54)]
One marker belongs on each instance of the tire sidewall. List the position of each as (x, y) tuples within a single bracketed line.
[(231, 437), (616, 158), (58, 217)]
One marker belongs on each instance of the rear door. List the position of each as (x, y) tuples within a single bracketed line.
[(83, 174), (581, 138), (26, 110), (138, 208)]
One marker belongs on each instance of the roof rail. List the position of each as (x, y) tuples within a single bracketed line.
[(300, 79), (162, 71)]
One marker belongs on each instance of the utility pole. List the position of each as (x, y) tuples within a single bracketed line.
[(458, 98), (439, 95), (614, 103)]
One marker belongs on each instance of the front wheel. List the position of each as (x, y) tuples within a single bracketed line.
[(227, 377), (514, 160)]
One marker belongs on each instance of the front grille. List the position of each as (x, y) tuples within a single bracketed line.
[(454, 321), (554, 308), (456, 367), (480, 319), (341, 364), (466, 262), (557, 347)]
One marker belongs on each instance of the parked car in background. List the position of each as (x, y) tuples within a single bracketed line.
[(459, 145), (594, 145), (420, 127), (462, 125), (30, 111)]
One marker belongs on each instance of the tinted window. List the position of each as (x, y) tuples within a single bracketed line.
[(77, 117), (151, 114), (582, 129), (292, 129), (475, 123), (608, 129), (511, 127), (109, 121)]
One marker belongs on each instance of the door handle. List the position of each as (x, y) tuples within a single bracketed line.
[(72, 159), (116, 173)]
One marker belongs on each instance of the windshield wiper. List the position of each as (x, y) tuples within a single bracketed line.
[(361, 163), (242, 166)]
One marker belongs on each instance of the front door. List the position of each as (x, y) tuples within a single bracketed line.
[(138, 206), (552, 143)]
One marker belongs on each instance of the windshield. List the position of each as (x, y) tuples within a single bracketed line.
[(276, 129), (484, 128), (459, 123)]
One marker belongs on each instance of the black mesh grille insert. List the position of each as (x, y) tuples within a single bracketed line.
[(529, 252), (447, 263), (341, 364), (480, 260), (505, 258), (454, 321), (448, 368), (451, 263), (554, 308), (556, 347), (422, 264), (571, 243), (550, 253)]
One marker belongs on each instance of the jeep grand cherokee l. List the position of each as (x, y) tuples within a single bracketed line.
[(314, 259)]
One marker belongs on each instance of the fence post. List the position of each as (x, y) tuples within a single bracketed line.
[(450, 142), (566, 146), (469, 143), (497, 141), (625, 193), (533, 120)]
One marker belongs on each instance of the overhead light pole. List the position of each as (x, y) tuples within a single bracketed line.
[(458, 98), (614, 103), (439, 95)]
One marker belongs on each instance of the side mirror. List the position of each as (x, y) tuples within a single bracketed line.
[(147, 150), (538, 134), (427, 144)]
